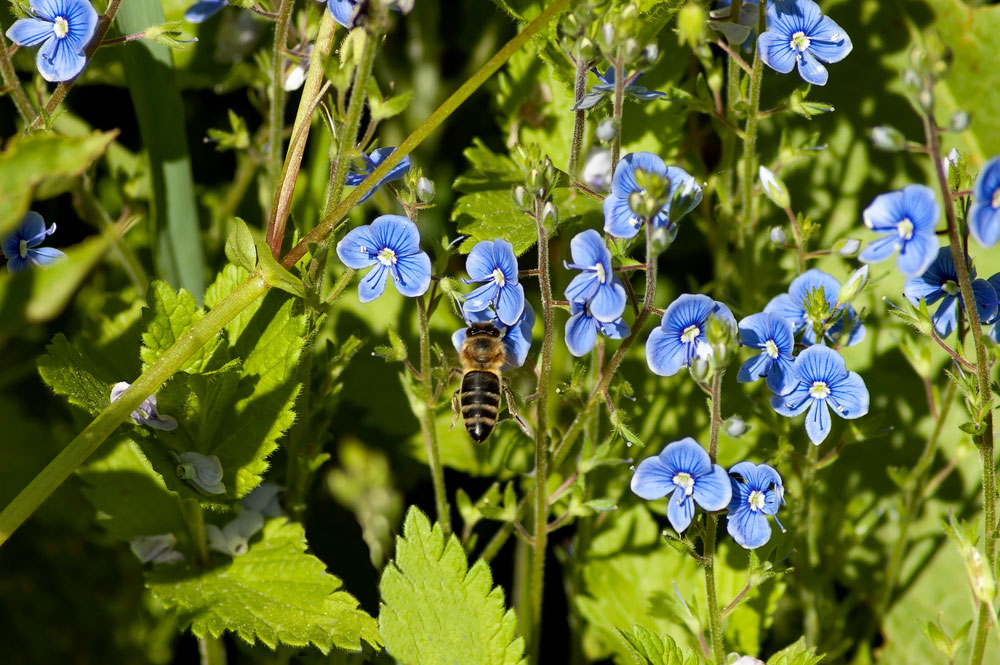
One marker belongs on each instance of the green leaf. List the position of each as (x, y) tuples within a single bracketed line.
[(435, 609), (240, 248), (796, 654), (393, 106), (28, 161), (72, 375), (275, 593), (167, 317), (276, 274), (648, 648)]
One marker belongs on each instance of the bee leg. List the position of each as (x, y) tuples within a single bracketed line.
[(454, 409), (509, 396)]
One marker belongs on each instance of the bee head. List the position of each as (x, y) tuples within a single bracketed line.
[(485, 328)]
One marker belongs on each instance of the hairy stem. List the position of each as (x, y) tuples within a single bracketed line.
[(85, 443), (59, 94), (714, 615), (800, 249), (428, 424), (331, 221), (276, 115), (13, 83), (579, 89), (749, 164), (616, 146), (300, 134)]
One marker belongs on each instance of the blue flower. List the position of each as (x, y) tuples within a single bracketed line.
[(680, 336), (358, 172), (821, 381), (940, 282), (345, 12), (799, 34), (516, 338), (146, 413), (22, 246), (619, 218), (773, 336), (995, 332), (757, 493), (203, 472), (493, 262), (792, 307), (596, 285), (203, 10), (683, 469), (392, 244), (582, 328), (984, 217), (63, 28), (606, 88), (906, 220)]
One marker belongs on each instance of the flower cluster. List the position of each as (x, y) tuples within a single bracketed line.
[(685, 473), (631, 202), (596, 296)]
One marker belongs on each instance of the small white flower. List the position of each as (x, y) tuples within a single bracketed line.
[(233, 539), (158, 549), (204, 473)]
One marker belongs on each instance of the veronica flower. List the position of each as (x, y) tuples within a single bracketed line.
[(63, 29), (799, 35), (203, 10), (22, 246), (940, 283), (264, 500), (516, 338), (822, 381), (158, 549), (984, 217), (201, 471), (906, 220), (621, 221), (368, 163), (345, 12), (995, 331), (146, 413), (392, 244), (757, 493), (792, 307), (680, 337), (582, 328), (234, 538), (492, 262), (606, 88), (772, 335), (597, 170), (684, 472), (596, 285)]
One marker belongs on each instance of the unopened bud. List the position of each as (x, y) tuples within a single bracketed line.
[(777, 236), (607, 130), (631, 49), (847, 247), (852, 287), (701, 368), (691, 21), (549, 212), (735, 427), (773, 187), (926, 100), (686, 197), (888, 138), (608, 34), (911, 79), (960, 121), (520, 193), (650, 53), (586, 49), (425, 190)]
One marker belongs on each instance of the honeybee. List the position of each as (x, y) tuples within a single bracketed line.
[(478, 399)]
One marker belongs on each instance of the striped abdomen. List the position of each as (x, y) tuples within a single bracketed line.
[(480, 400)]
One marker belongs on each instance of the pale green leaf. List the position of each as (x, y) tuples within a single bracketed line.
[(240, 248), (796, 654), (276, 592), (435, 609), (648, 648), (168, 316), (72, 375)]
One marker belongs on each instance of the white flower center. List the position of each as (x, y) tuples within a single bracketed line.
[(498, 277), (995, 199), (60, 27), (905, 228), (819, 390), (602, 277), (22, 249), (684, 481), (690, 334), (387, 257), (756, 500), (771, 349), (799, 41), (950, 287)]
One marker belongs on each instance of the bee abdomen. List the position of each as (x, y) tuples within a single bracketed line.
[(480, 400)]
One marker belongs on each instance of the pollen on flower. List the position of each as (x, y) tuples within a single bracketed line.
[(387, 257), (498, 277), (995, 199), (685, 481), (601, 276), (756, 500), (819, 390), (799, 41), (60, 27), (690, 334), (905, 228), (22, 248), (771, 349)]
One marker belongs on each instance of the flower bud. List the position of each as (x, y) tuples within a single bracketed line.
[(607, 130), (721, 335), (701, 368), (631, 49), (233, 539), (853, 286), (912, 79), (425, 190), (586, 49), (608, 34), (597, 170), (960, 121), (685, 198), (204, 473), (691, 21), (158, 549), (549, 212), (650, 53), (773, 187), (777, 236), (847, 247), (888, 138), (520, 194), (735, 426)]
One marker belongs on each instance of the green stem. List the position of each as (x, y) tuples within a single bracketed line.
[(800, 249), (714, 615), (428, 424), (85, 443), (276, 119), (749, 164), (282, 203), (330, 221), (576, 145), (617, 110), (541, 437), (211, 649), (810, 517), (59, 94), (13, 83)]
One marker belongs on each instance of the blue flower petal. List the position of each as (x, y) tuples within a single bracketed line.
[(945, 318), (505, 260), (686, 455), (818, 422), (712, 491), (754, 368), (849, 396), (775, 52), (652, 480), (582, 287), (680, 511), (344, 11), (200, 12), (794, 402), (619, 219), (917, 254), (479, 262), (881, 248), (33, 230), (372, 285), (30, 31), (749, 528), (58, 62), (787, 308), (414, 274), (780, 376), (624, 183), (984, 223), (811, 70), (616, 329), (828, 41), (44, 256), (510, 303), (581, 333), (357, 249), (588, 249), (986, 299), (665, 354), (988, 181), (609, 301), (480, 298), (517, 339), (397, 233)]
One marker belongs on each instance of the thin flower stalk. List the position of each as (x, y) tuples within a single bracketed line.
[(428, 424), (579, 116), (714, 614), (276, 113)]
